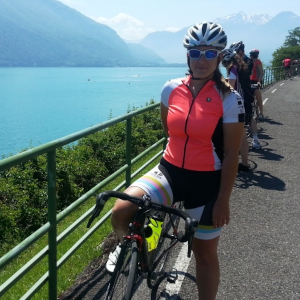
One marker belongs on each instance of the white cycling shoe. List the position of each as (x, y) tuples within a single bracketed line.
[(112, 260), (256, 144)]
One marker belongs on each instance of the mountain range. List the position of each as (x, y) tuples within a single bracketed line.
[(257, 31), (48, 33)]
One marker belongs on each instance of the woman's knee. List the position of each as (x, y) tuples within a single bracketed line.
[(125, 210), (206, 250)]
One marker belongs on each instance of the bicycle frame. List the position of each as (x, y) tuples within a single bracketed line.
[(138, 233)]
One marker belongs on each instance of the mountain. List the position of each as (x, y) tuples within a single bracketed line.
[(143, 55), (256, 31), (167, 45), (49, 33), (242, 18)]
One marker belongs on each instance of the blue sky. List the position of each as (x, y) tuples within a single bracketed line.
[(134, 19)]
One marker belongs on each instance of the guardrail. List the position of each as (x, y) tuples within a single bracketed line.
[(271, 76), (53, 218)]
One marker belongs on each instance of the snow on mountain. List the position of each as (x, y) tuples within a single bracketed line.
[(242, 18)]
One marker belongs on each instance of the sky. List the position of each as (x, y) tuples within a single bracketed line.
[(134, 19)]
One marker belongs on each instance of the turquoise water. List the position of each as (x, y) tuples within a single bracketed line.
[(38, 105)]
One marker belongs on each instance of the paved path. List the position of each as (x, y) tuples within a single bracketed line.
[(260, 249)]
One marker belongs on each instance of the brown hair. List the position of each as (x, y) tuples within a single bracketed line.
[(223, 86), (239, 63)]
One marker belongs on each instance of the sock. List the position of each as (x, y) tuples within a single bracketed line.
[(255, 138)]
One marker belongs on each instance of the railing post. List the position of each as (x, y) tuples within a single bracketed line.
[(52, 210), (128, 150)]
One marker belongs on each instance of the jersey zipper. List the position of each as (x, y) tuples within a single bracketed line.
[(186, 122)]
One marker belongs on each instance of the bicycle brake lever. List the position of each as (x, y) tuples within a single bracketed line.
[(191, 231), (100, 202)]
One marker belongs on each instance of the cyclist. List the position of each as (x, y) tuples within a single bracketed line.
[(256, 78), (203, 118), (286, 63), (238, 78), (295, 67), (239, 47)]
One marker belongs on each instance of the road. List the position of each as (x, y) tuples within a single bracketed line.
[(259, 250)]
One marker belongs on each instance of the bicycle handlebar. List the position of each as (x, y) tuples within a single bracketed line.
[(145, 202)]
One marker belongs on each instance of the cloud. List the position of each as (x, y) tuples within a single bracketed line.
[(120, 19), (127, 27)]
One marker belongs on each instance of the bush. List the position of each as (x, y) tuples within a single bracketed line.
[(24, 188)]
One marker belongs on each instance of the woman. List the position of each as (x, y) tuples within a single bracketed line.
[(237, 76), (257, 77), (203, 119)]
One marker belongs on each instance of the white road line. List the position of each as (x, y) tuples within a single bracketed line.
[(274, 91), (181, 265), (282, 84), (265, 101)]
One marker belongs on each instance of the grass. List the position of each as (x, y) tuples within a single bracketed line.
[(77, 262)]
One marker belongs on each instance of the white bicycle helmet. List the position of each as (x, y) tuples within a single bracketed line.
[(228, 54), (205, 34), (237, 46)]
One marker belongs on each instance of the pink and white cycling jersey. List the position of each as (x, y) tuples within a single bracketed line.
[(196, 124)]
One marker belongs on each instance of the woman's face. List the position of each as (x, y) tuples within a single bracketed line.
[(204, 67)]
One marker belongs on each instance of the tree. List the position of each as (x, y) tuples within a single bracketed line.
[(293, 39), (290, 48)]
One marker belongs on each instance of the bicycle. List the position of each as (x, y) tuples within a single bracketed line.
[(287, 74), (256, 115), (135, 260)]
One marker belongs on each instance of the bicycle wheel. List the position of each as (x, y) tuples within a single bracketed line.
[(122, 281), (159, 256)]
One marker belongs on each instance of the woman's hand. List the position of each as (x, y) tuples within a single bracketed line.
[(221, 213)]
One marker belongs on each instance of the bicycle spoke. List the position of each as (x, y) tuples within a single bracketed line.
[(171, 223), (123, 279)]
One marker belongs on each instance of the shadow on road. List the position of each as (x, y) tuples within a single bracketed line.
[(87, 285), (162, 295), (261, 179), (266, 153)]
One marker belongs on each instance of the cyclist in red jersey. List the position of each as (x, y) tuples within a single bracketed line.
[(256, 78), (286, 63), (203, 119)]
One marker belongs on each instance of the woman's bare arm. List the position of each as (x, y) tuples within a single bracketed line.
[(164, 114), (232, 141)]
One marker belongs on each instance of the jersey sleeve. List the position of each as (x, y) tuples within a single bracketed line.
[(233, 108), (167, 89), (233, 73)]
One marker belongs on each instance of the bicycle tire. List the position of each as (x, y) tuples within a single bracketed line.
[(171, 223), (123, 279)]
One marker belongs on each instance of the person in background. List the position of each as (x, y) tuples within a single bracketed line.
[(203, 119), (286, 63), (256, 78), (237, 76), (295, 67), (239, 47)]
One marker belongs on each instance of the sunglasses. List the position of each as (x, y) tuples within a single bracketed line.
[(209, 54)]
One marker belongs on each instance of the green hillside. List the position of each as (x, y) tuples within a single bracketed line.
[(48, 33)]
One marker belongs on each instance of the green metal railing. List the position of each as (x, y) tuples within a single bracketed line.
[(271, 76), (50, 227)]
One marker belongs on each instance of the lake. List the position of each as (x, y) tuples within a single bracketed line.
[(38, 105)]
